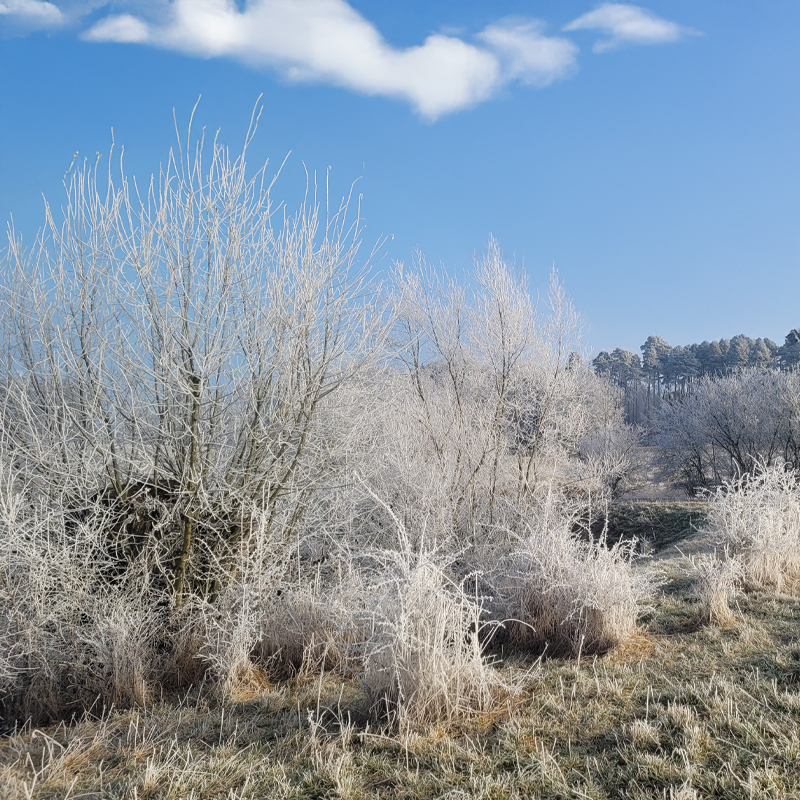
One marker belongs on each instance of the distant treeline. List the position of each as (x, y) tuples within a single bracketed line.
[(667, 372)]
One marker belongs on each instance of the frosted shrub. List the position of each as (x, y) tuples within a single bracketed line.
[(612, 456), (757, 519), (76, 634), (567, 592)]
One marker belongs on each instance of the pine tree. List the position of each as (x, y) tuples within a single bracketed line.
[(789, 353)]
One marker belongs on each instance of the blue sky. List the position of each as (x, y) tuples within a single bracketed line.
[(650, 151)]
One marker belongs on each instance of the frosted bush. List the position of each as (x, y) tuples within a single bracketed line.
[(756, 518), (568, 592)]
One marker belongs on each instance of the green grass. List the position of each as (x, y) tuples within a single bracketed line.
[(656, 524), (683, 711)]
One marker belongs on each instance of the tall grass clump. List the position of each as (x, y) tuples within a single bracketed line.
[(313, 626), (756, 518), (424, 660), (717, 580)]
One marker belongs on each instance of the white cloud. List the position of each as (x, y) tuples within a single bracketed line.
[(529, 55), (628, 24), (122, 28), (328, 41), (32, 14)]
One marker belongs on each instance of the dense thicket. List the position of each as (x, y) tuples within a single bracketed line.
[(226, 447), (231, 450)]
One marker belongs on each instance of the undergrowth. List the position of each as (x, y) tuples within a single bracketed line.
[(681, 711)]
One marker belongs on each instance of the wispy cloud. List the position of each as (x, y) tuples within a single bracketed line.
[(628, 24), (31, 14), (123, 28), (328, 41), (527, 54)]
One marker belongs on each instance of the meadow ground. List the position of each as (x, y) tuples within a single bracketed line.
[(683, 711)]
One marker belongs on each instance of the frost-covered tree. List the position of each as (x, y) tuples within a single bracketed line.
[(732, 425), (175, 352), (738, 355), (789, 353), (762, 353)]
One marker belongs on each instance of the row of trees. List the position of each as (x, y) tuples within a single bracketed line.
[(667, 372)]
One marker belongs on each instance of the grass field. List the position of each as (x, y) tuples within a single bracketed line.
[(682, 711)]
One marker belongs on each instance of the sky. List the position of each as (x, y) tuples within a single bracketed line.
[(651, 152)]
